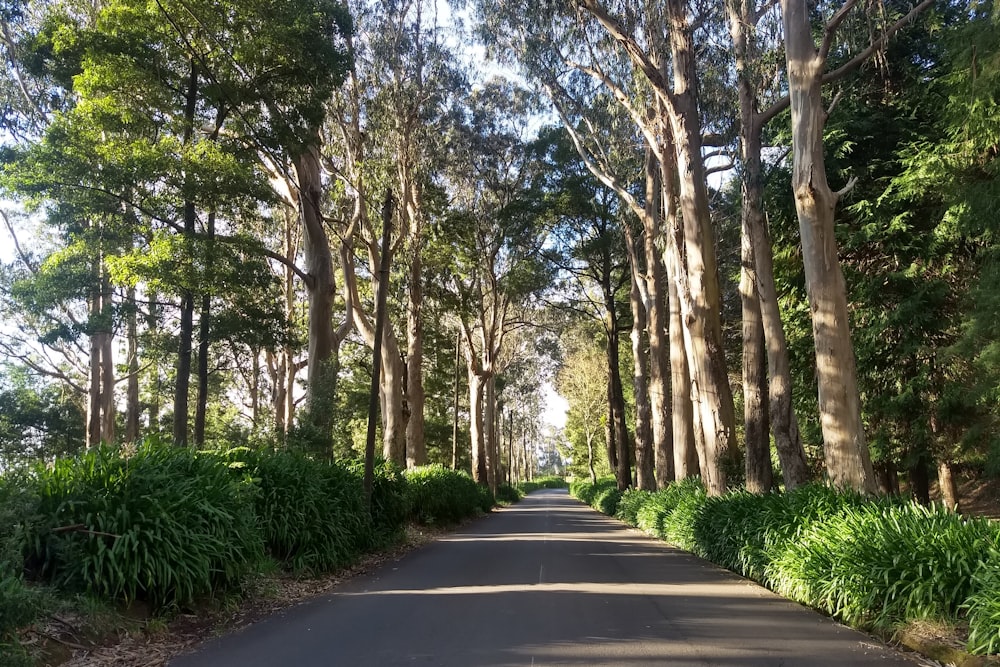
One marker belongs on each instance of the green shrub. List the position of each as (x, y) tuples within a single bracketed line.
[(880, 563), (550, 482), (588, 492), (164, 524), (630, 503), (390, 502), (439, 495), (508, 494), (982, 607), (526, 487), (20, 604), (660, 504), (311, 512), (606, 501), (678, 526)]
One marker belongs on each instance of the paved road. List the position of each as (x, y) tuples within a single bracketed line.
[(546, 582)]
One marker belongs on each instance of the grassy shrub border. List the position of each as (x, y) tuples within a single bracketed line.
[(440, 495), (873, 564), (164, 524)]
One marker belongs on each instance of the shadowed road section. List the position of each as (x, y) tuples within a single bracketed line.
[(546, 582)]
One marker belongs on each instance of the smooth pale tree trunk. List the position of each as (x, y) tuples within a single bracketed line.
[(391, 394), (848, 461), (686, 460), (321, 289), (454, 423), (476, 435), (703, 320), (759, 472), (132, 407), (657, 327), (784, 425), (490, 424), (416, 447), (644, 457)]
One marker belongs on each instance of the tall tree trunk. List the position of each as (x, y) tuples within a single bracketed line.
[(619, 441), (107, 361), (321, 287), (742, 16), (657, 326), (186, 330), (393, 414), (152, 325), (683, 419), (201, 401), (132, 407), (204, 342), (416, 447), (454, 423), (490, 424), (644, 457), (948, 485), (848, 460), (476, 435), (623, 468), (759, 472), (94, 384)]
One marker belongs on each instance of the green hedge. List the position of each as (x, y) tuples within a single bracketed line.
[(440, 495), (20, 604), (165, 525), (869, 563)]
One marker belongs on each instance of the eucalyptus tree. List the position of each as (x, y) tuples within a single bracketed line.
[(755, 33), (848, 460), (574, 35), (595, 271), (488, 251), (387, 127)]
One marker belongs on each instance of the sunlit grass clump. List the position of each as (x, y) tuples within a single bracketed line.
[(875, 564), (439, 495)]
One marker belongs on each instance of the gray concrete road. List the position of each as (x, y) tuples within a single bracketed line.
[(546, 582)]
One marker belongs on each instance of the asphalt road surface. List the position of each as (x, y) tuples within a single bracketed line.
[(546, 582)]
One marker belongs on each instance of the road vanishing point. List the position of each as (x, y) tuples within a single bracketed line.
[(548, 581)]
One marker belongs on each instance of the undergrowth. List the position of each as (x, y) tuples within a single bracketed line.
[(874, 564)]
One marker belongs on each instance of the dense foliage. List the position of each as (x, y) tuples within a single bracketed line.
[(871, 564), (441, 495)]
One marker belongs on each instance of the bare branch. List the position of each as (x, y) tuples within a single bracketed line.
[(861, 57), (17, 245), (834, 102), (847, 188), (726, 166), (830, 30)]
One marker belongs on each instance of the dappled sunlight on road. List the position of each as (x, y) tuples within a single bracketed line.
[(724, 589)]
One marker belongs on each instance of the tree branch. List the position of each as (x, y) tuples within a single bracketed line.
[(860, 58), (830, 30)]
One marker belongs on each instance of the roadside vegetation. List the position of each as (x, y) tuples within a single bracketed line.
[(167, 528), (875, 564)]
